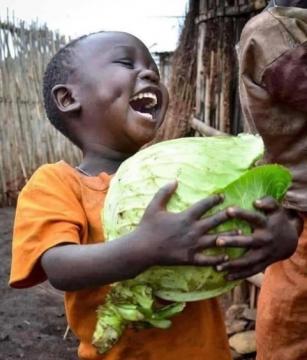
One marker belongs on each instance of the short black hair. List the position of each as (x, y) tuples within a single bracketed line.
[(58, 70)]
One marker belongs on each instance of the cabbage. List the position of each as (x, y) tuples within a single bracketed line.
[(202, 166)]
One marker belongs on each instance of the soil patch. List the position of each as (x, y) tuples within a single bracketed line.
[(32, 321)]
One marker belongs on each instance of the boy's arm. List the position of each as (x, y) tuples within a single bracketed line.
[(74, 267), (162, 238), (50, 238)]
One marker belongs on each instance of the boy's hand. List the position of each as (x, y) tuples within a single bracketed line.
[(180, 238), (274, 238)]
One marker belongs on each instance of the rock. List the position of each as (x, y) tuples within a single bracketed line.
[(235, 311), (235, 326), (259, 4), (249, 314), (244, 342)]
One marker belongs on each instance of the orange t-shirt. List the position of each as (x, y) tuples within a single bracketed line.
[(60, 205)]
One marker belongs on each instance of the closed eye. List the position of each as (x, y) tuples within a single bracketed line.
[(126, 62)]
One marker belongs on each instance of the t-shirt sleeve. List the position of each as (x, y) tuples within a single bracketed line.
[(286, 78), (48, 214)]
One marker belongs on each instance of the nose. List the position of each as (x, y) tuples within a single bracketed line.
[(149, 75)]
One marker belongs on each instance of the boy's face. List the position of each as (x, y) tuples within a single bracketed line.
[(117, 84)]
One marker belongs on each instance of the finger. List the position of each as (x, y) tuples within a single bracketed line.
[(235, 241), (247, 272), (255, 219), (201, 207), (267, 204), (250, 259), (213, 221), (161, 198), (207, 260), (208, 241)]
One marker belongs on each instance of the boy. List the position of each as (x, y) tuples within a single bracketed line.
[(273, 87), (104, 93)]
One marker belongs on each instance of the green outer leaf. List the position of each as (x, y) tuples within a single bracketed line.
[(192, 161)]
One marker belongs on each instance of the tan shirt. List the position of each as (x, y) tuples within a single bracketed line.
[(273, 90)]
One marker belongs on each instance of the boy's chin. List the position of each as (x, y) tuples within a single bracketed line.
[(144, 141), (142, 135)]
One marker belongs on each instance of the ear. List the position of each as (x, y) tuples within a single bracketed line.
[(64, 99)]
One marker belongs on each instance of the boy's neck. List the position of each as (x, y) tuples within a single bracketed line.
[(93, 163)]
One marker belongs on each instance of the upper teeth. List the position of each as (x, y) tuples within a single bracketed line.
[(148, 95)]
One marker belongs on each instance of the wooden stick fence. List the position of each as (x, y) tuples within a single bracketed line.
[(27, 139)]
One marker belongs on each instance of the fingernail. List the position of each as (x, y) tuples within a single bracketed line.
[(226, 258), (219, 268), (239, 232), (220, 242), (230, 211)]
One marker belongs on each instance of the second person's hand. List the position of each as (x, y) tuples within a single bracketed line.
[(274, 237)]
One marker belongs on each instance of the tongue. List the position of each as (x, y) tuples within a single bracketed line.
[(146, 115)]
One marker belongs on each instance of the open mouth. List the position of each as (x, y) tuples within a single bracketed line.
[(147, 103)]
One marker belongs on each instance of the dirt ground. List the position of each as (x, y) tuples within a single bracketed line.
[(32, 321)]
